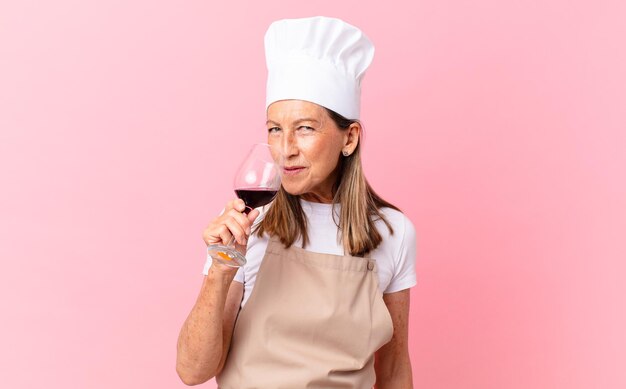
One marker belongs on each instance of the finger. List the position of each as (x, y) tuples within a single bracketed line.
[(241, 219), (239, 205), (230, 205), (206, 236), (211, 235), (253, 215), (224, 233), (237, 231)]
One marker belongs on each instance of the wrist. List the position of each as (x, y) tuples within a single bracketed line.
[(221, 274)]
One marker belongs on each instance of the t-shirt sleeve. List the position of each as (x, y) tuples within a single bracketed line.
[(404, 265), (209, 262)]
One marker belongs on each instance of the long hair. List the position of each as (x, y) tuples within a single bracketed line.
[(360, 207)]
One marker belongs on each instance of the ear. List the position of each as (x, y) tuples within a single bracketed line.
[(351, 138)]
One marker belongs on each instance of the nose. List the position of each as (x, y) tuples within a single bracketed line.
[(289, 146)]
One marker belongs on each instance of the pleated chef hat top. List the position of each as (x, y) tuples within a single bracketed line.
[(317, 59)]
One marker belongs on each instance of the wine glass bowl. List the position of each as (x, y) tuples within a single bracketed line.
[(256, 182)]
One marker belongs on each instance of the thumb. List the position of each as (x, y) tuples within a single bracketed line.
[(253, 215)]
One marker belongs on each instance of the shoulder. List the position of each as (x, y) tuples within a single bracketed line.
[(396, 253), (403, 228), (401, 245)]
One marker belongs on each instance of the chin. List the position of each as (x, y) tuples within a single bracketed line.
[(293, 190)]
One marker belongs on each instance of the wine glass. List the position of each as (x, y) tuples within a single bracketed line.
[(257, 181)]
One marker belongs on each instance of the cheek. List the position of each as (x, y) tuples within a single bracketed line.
[(322, 156), (312, 150)]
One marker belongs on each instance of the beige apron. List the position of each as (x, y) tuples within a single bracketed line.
[(312, 321)]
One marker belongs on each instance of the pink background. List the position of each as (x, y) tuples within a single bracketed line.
[(497, 126)]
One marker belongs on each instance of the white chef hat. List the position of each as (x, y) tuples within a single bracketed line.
[(317, 59)]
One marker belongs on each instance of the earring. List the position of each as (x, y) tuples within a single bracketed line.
[(346, 153)]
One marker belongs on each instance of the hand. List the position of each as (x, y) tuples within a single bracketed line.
[(232, 222)]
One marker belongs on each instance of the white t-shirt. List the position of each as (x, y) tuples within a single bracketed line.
[(395, 256)]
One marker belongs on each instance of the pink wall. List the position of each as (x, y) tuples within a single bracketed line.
[(497, 126)]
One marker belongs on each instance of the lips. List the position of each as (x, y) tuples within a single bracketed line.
[(291, 170)]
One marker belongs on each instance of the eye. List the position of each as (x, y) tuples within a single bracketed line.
[(270, 130), (306, 128)]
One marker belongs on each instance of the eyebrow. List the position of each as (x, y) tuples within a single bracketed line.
[(295, 122)]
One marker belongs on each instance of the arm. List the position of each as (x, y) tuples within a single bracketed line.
[(392, 363), (204, 339)]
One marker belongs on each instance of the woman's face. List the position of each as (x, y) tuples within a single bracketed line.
[(307, 147)]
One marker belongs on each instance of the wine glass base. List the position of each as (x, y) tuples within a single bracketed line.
[(226, 255)]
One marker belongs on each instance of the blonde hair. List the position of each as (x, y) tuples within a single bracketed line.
[(360, 207)]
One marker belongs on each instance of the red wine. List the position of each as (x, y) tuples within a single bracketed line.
[(255, 197)]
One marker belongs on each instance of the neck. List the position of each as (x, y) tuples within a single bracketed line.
[(317, 198)]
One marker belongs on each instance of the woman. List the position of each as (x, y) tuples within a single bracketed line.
[(323, 300)]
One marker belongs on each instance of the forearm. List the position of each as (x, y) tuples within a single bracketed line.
[(200, 342), (394, 374), (402, 380)]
